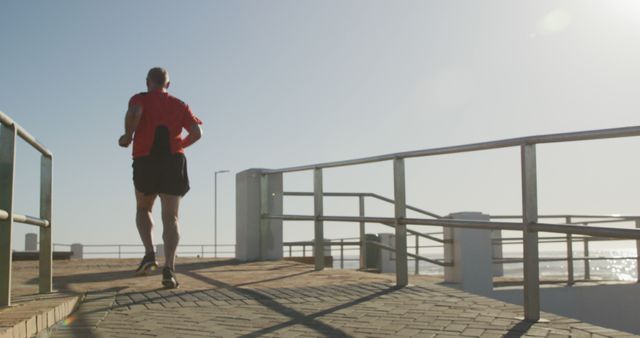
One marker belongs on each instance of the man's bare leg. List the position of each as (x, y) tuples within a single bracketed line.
[(144, 220), (171, 232)]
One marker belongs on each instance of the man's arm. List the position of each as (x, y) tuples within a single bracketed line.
[(131, 120), (195, 133)]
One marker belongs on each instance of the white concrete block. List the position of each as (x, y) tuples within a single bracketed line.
[(31, 242), (387, 258), (471, 253), (257, 239), (77, 251)]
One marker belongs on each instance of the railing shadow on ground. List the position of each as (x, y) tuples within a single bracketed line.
[(274, 279), (296, 316), (83, 328), (63, 282), (519, 329), (191, 270), (292, 317)]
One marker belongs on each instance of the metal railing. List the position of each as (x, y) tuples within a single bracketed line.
[(137, 250), (353, 244), (362, 239), (584, 220), (569, 240), (341, 243), (530, 225), (9, 132), (569, 259)]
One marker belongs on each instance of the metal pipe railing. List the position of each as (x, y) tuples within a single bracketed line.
[(361, 207), (199, 249), (23, 134), (561, 259), (360, 194), (514, 142), (530, 225), (342, 242), (573, 216), (9, 132), (568, 239), (25, 219)]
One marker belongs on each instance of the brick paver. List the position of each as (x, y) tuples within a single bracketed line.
[(286, 299)]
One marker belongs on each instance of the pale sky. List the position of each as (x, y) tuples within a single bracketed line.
[(284, 83)]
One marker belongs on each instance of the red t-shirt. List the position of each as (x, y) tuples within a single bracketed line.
[(160, 109)]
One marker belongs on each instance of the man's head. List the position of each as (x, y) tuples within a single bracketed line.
[(157, 78)]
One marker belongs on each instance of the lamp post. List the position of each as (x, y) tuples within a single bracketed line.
[(215, 211)]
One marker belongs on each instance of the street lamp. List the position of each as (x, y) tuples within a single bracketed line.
[(215, 211)]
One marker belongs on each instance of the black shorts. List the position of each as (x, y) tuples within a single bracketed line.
[(161, 174)]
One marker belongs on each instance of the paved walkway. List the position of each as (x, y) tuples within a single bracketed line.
[(283, 299)]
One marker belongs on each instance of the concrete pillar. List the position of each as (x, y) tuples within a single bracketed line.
[(31, 242), (498, 268), (387, 258), (256, 194), (373, 252), (76, 250), (159, 250), (470, 251), (327, 248)]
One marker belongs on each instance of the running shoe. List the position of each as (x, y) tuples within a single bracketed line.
[(148, 264), (169, 280)]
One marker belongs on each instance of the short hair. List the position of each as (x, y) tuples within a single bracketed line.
[(158, 76)]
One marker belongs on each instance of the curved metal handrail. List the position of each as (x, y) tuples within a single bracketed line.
[(9, 132), (7, 121)]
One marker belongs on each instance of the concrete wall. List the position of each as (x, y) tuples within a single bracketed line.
[(614, 306)]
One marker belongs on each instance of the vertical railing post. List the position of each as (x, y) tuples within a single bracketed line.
[(402, 277), (7, 174), (202, 251), (363, 235), (290, 251), (342, 253), (570, 274), (46, 253), (530, 236), (587, 262), (304, 250), (638, 254), (119, 251), (264, 211), (417, 269), (318, 252)]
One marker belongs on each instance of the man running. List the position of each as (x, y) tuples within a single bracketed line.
[(154, 122)]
